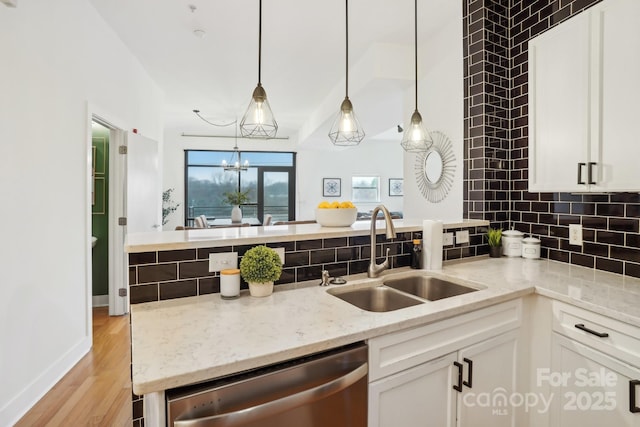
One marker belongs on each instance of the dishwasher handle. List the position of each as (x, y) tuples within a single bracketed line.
[(279, 405)]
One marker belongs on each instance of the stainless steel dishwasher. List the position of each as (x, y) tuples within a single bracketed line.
[(326, 389)]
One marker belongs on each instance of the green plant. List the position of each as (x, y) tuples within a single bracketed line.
[(494, 236), (168, 205), (234, 198), (260, 264)]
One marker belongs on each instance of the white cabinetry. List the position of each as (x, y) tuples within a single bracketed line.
[(595, 375), (442, 373), (583, 101)]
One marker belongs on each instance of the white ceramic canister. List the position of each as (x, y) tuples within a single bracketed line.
[(512, 243), (230, 283), (531, 248)]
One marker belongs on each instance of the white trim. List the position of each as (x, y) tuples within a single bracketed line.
[(100, 300), (33, 392)]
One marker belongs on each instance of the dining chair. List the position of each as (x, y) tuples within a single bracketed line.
[(267, 219)]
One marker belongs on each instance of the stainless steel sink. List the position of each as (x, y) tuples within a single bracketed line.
[(427, 287), (378, 299)]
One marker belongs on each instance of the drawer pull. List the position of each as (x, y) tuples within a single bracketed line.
[(591, 331), (632, 396), (470, 376), (458, 387)]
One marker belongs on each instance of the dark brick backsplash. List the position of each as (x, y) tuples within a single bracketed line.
[(495, 123), (188, 272)]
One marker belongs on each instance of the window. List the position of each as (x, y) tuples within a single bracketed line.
[(365, 188), (270, 180)]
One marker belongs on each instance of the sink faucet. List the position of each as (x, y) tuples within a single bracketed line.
[(375, 269)]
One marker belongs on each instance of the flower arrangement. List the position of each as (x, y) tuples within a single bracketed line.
[(260, 264), (235, 198)]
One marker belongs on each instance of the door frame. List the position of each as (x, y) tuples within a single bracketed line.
[(118, 265)]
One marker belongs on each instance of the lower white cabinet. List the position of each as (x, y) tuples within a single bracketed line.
[(469, 383), (594, 378)]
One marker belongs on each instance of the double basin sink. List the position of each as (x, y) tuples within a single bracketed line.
[(400, 292)]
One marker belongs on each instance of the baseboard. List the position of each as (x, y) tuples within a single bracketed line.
[(15, 409), (100, 300)]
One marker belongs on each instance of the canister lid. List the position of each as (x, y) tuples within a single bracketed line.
[(230, 271), (531, 240), (512, 233)]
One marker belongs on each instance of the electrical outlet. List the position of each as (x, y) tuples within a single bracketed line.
[(462, 236), (223, 261), (575, 234), (280, 252), (447, 239)]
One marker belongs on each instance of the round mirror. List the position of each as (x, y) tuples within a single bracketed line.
[(433, 166)]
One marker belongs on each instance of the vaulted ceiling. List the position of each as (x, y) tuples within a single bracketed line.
[(303, 57)]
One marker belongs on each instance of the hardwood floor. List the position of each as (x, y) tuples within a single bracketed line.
[(97, 391)]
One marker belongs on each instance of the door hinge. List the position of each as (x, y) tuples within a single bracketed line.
[(122, 220), (122, 292), (122, 149)]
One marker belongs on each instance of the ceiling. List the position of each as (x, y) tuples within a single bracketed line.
[(303, 57)]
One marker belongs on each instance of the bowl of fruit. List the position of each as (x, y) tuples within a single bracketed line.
[(336, 214)]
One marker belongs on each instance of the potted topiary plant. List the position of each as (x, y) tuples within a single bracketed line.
[(235, 199), (259, 267), (494, 238)]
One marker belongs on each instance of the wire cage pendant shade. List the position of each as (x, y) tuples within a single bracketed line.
[(346, 129), (416, 139), (259, 121)]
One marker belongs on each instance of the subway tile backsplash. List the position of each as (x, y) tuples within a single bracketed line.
[(496, 143), (155, 276)]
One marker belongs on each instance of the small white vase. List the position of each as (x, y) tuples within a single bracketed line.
[(236, 214), (260, 289)]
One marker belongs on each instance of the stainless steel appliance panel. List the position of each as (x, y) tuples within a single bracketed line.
[(329, 389)]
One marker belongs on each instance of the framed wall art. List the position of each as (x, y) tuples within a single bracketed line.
[(331, 187), (396, 187)]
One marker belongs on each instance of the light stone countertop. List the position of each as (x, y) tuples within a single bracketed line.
[(188, 340), (214, 237)]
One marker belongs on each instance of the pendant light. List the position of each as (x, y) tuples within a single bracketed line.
[(346, 130), (258, 121), (234, 164), (416, 138)]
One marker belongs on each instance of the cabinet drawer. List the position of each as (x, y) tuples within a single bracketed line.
[(610, 336), (398, 351)]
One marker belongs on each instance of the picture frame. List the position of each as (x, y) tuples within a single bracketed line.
[(331, 187), (396, 187)]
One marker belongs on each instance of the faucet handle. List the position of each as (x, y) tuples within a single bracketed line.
[(325, 278)]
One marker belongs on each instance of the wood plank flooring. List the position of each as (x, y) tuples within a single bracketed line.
[(97, 391)]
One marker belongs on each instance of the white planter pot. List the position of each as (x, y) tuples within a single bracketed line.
[(236, 214), (260, 289)]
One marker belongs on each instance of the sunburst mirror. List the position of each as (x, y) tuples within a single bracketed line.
[(435, 168)]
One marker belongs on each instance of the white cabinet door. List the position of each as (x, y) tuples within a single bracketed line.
[(418, 397), (617, 168), (589, 388), (559, 106), (490, 379)]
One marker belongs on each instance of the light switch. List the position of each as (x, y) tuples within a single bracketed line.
[(223, 261), (575, 234), (280, 252)]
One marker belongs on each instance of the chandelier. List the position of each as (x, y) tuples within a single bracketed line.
[(233, 165)]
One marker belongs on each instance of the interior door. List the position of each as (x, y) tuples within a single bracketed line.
[(144, 185)]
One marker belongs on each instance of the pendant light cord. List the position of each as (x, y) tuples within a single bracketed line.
[(259, 41), (415, 44), (346, 43)]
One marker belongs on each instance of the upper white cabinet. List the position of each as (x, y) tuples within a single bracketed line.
[(583, 102)]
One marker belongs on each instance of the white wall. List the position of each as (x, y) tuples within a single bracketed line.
[(441, 105), (58, 57), (383, 159)]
